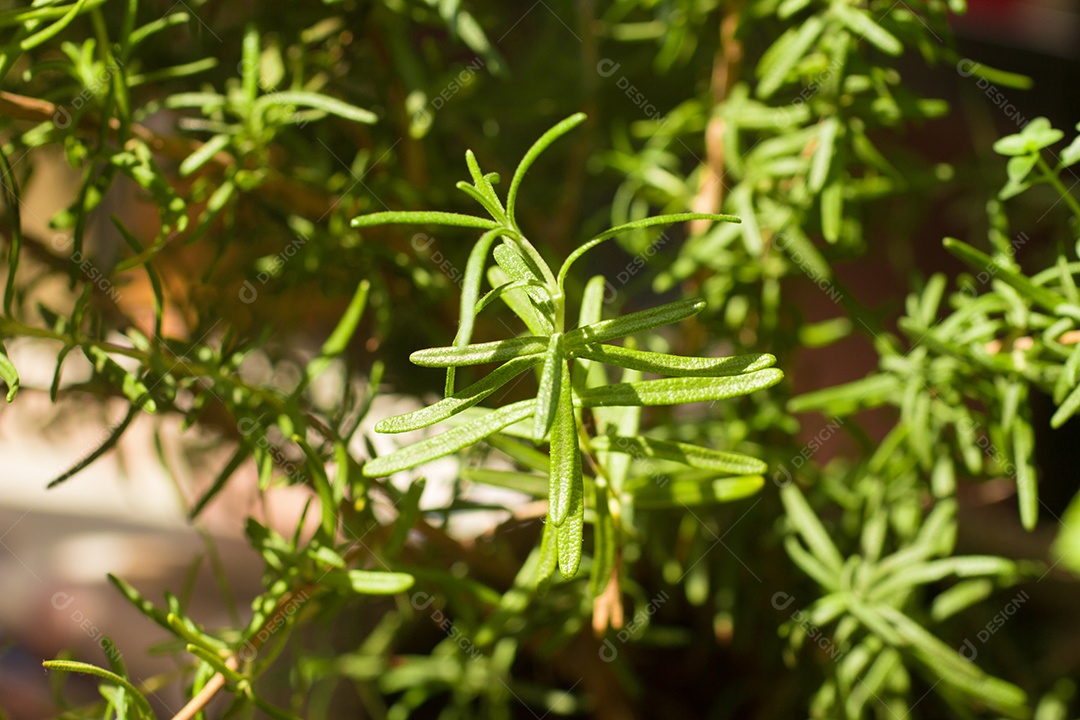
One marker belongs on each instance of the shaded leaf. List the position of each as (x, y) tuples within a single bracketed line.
[(693, 455), (677, 493)]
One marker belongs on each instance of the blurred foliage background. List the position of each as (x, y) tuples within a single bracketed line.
[(179, 182)]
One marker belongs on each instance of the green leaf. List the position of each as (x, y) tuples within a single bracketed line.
[(104, 447), (51, 31), (8, 374), (448, 442), (866, 27), (832, 210), (809, 564), (481, 190), (1067, 408), (326, 104), (462, 399), (676, 493), (367, 582), (804, 521), (785, 54), (408, 511), (583, 372), (141, 604), (131, 386), (215, 661), (550, 391), (953, 669), (909, 575), (1035, 136), (187, 629), (560, 129), (742, 197), (1070, 374), (819, 167), (604, 543), (339, 339), (1066, 547), (222, 478), (677, 391), (203, 154), (693, 455), (520, 302), (565, 489), (960, 597), (528, 483), (635, 322), (788, 8), (1038, 294), (423, 217), (470, 292), (592, 301), (537, 307), (636, 225), (1027, 485), (1003, 78), (549, 557), (328, 503), (522, 454), (1019, 167), (480, 353), (1071, 154), (141, 704), (845, 399), (571, 534), (675, 365)]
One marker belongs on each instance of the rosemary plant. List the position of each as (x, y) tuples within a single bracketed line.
[(569, 385)]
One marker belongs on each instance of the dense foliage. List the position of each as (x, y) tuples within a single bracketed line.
[(232, 254)]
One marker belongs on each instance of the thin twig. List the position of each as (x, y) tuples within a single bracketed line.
[(276, 187), (725, 73), (217, 682)]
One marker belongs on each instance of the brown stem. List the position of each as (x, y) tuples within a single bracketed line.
[(276, 187), (217, 682), (725, 73)]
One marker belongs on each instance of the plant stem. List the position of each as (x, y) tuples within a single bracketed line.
[(1054, 180)]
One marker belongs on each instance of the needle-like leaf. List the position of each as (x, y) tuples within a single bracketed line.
[(693, 455), (571, 534), (635, 322), (680, 390), (565, 475), (549, 393), (462, 399), (688, 492), (1038, 294), (8, 374), (605, 543), (423, 217), (637, 225), (534, 152), (448, 442), (675, 365), (470, 293), (480, 353)]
